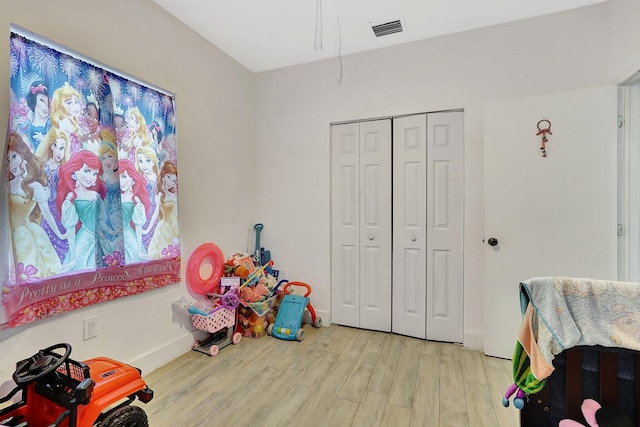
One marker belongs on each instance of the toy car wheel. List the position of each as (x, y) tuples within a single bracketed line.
[(236, 338), (300, 334), (195, 344), (317, 323), (129, 415), (270, 329), (214, 350)]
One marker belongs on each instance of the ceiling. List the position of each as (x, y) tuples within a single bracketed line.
[(269, 34)]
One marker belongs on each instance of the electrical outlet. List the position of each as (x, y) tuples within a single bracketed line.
[(90, 327)]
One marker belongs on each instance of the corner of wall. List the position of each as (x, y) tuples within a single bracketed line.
[(473, 341)]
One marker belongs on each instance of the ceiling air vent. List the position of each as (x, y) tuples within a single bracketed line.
[(387, 28)]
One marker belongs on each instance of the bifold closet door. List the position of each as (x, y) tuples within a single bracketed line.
[(361, 224), (409, 225), (445, 226), (428, 195)]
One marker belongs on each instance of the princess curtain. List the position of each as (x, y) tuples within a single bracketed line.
[(91, 211)]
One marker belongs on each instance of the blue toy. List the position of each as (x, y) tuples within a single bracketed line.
[(288, 324)]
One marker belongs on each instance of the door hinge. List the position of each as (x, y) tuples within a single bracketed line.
[(620, 230), (620, 120)]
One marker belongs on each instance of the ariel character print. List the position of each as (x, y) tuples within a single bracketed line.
[(147, 165), (135, 205), (80, 194)]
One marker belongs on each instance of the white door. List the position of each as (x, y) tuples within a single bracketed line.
[(361, 224), (445, 226), (375, 225), (551, 216), (345, 224), (428, 212), (409, 225)]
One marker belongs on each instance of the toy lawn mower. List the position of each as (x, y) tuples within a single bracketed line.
[(59, 391)]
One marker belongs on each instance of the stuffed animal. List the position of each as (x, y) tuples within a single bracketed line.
[(597, 416), (270, 282), (246, 294), (525, 382), (243, 320), (229, 269), (253, 294), (518, 400), (259, 292)]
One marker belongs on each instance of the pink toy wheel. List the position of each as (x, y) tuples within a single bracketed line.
[(205, 252), (214, 350), (195, 344), (236, 338)]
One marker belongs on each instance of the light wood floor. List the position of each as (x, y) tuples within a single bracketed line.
[(337, 376)]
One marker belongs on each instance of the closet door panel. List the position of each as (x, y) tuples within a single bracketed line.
[(445, 222), (345, 224), (409, 221), (375, 225)]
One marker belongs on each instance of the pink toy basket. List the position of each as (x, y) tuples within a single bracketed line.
[(223, 316), (220, 318)]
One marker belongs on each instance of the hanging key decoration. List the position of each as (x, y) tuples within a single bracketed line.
[(544, 131)]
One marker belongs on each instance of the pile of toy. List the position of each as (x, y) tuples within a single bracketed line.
[(251, 278), (258, 291)]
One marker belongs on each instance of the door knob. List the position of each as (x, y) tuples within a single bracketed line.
[(413, 238), (492, 241), (370, 236)]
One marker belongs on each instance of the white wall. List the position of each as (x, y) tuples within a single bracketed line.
[(295, 105), (214, 102), (624, 33)]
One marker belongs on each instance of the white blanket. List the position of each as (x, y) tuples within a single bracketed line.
[(569, 312)]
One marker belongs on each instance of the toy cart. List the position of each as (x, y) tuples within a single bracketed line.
[(219, 323)]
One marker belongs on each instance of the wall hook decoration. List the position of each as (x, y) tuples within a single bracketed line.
[(544, 131)]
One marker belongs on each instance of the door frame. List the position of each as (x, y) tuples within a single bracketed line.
[(629, 179)]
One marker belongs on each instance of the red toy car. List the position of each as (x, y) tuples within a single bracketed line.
[(59, 391)]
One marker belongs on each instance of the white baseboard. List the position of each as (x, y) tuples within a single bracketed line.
[(324, 315), (163, 355), (473, 341), (160, 356)]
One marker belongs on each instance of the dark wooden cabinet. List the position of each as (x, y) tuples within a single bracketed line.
[(607, 375)]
